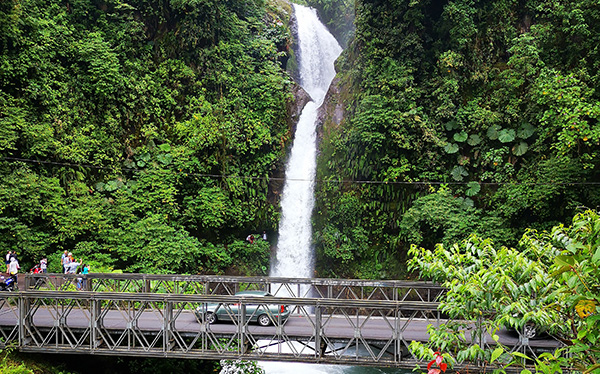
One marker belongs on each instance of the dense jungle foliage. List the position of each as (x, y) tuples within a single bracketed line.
[(13, 362), (549, 284), (118, 119), (476, 116), (337, 15)]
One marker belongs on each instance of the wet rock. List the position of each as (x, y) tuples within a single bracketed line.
[(332, 113)]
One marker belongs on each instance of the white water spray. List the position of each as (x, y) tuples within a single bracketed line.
[(318, 50)]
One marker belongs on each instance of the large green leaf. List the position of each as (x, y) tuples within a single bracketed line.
[(525, 131), (458, 173), (129, 163), (564, 260), (596, 257), (165, 159), (452, 125), (474, 139), (496, 353), (111, 185), (506, 135), (520, 149), (474, 188), (451, 148), (493, 132), (461, 136)]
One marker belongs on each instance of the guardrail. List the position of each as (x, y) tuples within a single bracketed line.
[(347, 289), (363, 332)]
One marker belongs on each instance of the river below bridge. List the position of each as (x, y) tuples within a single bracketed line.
[(271, 367)]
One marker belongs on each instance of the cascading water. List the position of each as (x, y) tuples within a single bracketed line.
[(318, 50), (317, 53)]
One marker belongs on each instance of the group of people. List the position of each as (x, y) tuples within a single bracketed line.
[(42, 267), (70, 265), (250, 238)]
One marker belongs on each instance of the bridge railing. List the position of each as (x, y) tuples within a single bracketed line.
[(318, 330), (347, 289), (369, 332)]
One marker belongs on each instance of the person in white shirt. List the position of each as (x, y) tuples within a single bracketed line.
[(72, 267), (13, 267), (64, 260), (44, 265), (7, 260)]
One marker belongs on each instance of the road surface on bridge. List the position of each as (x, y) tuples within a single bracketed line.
[(300, 327)]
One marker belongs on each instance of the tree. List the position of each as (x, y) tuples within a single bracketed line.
[(552, 281)]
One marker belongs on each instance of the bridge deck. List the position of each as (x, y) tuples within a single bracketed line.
[(373, 330)]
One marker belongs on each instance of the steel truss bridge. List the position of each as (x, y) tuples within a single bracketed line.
[(334, 321)]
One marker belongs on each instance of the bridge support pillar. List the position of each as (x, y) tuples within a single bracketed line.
[(167, 326), (94, 324), (320, 345), (24, 320), (243, 345)]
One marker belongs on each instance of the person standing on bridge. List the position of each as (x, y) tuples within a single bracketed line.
[(82, 282), (64, 261), (44, 264), (13, 267), (72, 266), (7, 261)]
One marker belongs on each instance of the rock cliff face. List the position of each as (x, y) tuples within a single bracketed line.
[(333, 111), (295, 108), (301, 97)]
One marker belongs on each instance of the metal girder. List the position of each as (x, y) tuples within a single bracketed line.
[(319, 330), (9, 312), (227, 285)]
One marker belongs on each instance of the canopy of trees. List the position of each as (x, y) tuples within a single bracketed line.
[(497, 100), (552, 280), (118, 121)]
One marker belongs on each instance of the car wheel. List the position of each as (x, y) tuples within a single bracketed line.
[(210, 318), (264, 320)]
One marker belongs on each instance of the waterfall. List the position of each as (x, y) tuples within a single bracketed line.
[(318, 50)]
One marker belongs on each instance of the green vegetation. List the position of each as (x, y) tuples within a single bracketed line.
[(338, 16), (13, 362), (141, 135), (9, 367), (551, 282), (495, 99)]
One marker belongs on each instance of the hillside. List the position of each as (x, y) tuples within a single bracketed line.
[(142, 135), (457, 117), (150, 136)]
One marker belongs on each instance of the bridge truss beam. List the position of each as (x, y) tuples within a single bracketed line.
[(320, 330)]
